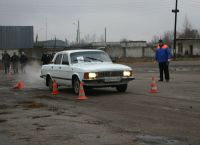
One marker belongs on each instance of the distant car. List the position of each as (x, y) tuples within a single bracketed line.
[(92, 67)]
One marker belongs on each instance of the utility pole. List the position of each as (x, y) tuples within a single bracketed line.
[(55, 42), (36, 39), (175, 23), (46, 29), (105, 35), (77, 32), (79, 37)]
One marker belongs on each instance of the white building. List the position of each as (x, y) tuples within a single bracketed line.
[(126, 49), (188, 46)]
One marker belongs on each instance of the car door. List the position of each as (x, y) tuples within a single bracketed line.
[(56, 69), (66, 71)]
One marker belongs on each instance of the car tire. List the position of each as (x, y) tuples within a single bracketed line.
[(122, 88), (50, 83), (76, 85)]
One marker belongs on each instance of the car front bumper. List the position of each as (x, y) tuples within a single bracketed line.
[(105, 83)]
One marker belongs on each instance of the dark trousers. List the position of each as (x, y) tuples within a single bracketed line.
[(164, 67), (23, 65), (15, 67), (6, 67)]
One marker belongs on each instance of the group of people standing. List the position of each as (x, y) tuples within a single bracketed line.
[(13, 62)]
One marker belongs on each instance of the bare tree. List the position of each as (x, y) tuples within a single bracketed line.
[(101, 38), (168, 38), (155, 39), (66, 42), (89, 38), (188, 30), (82, 41), (123, 40)]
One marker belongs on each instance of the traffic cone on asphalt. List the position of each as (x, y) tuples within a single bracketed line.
[(20, 85), (55, 88), (154, 88), (81, 95)]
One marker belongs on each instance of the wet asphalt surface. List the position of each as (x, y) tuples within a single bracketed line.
[(33, 116)]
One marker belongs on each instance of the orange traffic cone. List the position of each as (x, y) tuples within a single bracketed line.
[(55, 88), (154, 88), (20, 85), (81, 93)]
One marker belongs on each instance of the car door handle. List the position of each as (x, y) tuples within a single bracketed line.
[(60, 67), (52, 67)]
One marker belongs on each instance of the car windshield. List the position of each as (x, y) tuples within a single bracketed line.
[(89, 56)]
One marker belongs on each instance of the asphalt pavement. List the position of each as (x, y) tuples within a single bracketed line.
[(32, 116)]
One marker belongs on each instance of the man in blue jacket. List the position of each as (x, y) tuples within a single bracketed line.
[(162, 56)]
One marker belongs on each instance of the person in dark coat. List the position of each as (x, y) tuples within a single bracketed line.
[(51, 57), (45, 59), (48, 58), (162, 56), (23, 62), (6, 62), (15, 62)]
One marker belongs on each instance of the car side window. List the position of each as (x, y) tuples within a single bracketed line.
[(58, 59), (65, 60)]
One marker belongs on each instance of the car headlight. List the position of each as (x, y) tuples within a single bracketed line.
[(127, 73), (92, 75)]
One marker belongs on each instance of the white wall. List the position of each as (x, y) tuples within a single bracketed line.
[(115, 52), (196, 49), (148, 52), (134, 52)]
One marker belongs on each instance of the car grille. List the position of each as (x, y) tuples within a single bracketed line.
[(110, 74)]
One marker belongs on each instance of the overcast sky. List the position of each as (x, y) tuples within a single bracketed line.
[(130, 19)]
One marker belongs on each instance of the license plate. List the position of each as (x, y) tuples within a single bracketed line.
[(112, 79)]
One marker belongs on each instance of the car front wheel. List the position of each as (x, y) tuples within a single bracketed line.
[(121, 88), (76, 85)]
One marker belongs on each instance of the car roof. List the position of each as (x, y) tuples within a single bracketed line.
[(78, 50)]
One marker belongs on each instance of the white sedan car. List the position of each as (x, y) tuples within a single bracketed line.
[(92, 67)]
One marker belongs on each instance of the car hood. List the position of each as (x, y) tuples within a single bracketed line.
[(101, 66)]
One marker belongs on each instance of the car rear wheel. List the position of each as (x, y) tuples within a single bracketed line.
[(121, 88), (76, 85)]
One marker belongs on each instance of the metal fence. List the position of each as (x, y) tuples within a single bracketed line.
[(12, 37)]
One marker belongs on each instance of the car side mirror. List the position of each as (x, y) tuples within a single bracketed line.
[(65, 63)]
